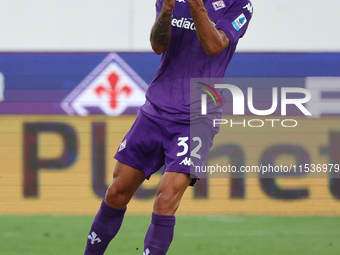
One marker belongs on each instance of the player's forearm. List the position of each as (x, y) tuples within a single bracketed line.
[(212, 40), (160, 33)]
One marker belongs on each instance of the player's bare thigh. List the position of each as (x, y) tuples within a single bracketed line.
[(170, 190), (126, 181)]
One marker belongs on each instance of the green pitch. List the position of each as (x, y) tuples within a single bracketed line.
[(213, 235)]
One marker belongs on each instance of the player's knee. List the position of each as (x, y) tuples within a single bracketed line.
[(165, 198), (166, 202), (116, 197)]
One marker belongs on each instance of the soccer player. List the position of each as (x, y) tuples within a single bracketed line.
[(197, 39)]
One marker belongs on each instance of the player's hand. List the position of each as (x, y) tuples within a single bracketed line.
[(168, 5)]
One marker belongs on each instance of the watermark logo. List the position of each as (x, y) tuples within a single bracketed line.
[(204, 97), (240, 101), (325, 92)]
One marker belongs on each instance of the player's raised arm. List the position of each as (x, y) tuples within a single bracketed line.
[(212, 40), (160, 33)]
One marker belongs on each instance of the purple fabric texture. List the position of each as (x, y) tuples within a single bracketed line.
[(159, 235), (105, 226)]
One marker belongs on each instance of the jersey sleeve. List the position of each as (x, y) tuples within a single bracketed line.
[(159, 4), (235, 21)]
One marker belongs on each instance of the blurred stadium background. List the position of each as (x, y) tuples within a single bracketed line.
[(72, 76)]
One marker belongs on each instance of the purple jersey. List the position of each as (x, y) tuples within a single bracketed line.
[(168, 96)]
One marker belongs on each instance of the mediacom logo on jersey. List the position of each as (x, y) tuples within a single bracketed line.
[(186, 23)]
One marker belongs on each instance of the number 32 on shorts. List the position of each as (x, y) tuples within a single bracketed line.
[(183, 142)]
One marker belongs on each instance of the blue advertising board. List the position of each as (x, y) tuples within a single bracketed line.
[(114, 83)]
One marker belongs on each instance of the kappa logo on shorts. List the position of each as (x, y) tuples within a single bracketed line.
[(187, 162), (147, 252), (122, 146), (112, 88)]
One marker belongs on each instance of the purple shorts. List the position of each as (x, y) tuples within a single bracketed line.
[(153, 142)]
